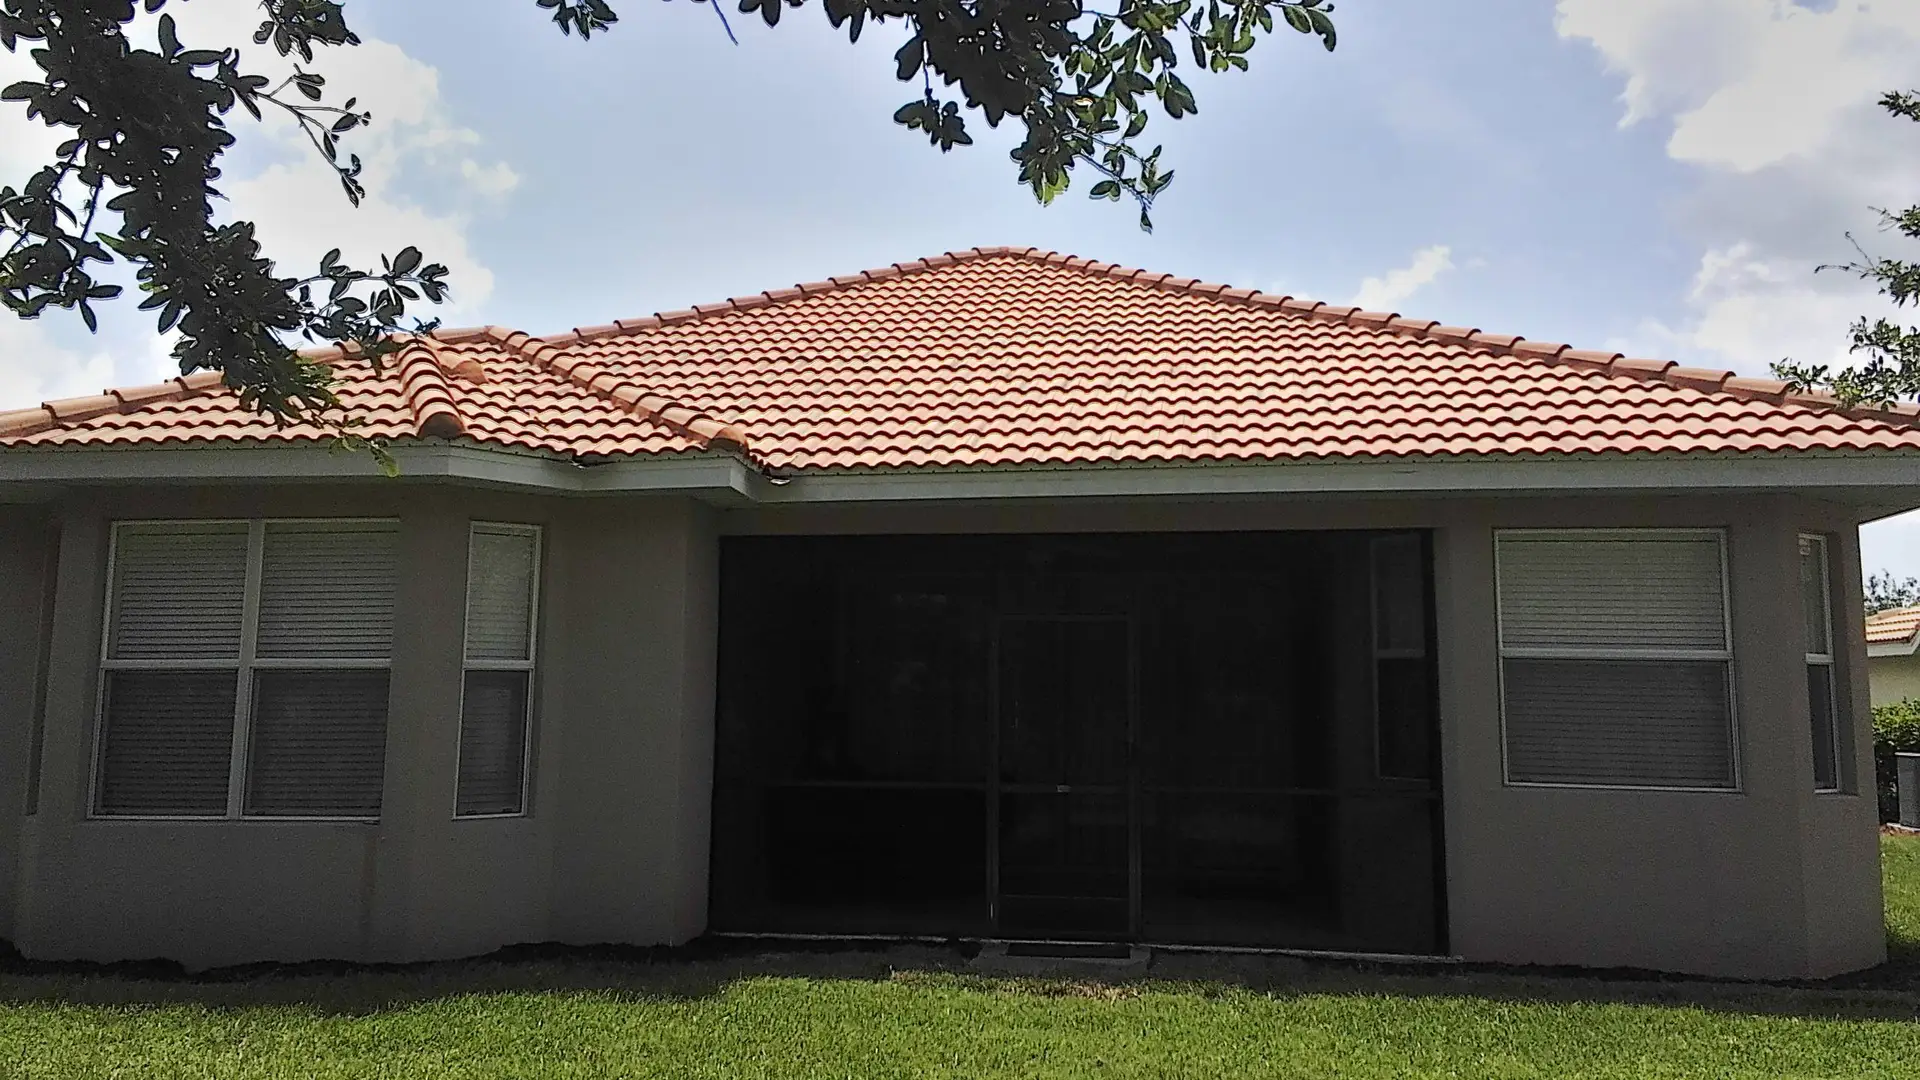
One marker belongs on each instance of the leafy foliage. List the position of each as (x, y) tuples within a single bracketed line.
[(1896, 729), (135, 181), (1891, 371), (1885, 592)]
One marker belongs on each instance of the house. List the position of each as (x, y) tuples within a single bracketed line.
[(1893, 669), (999, 594)]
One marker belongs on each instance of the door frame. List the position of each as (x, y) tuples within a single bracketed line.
[(1130, 784)]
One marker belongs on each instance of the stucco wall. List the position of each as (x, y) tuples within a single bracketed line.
[(1893, 678), (621, 755), (26, 548), (1770, 880)]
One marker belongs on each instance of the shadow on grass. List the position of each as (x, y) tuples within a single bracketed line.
[(708, 967)]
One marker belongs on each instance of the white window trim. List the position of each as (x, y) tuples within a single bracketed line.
[(1373, 617), (1725, 655), (243, 665), (1828, 658), (528, 665)]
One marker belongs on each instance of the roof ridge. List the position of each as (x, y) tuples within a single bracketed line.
[(770, 297), (423, 385), (624, 392)]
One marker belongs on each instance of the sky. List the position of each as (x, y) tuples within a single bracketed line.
[(1658, 177)]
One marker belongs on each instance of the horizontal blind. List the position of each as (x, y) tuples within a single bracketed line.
[(167, 744), (179, 591), (500, 580), (493, 740), (319, 743), (1629, 722), (1656, 592), (327, 589)]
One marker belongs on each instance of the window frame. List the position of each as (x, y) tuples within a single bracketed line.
[(1725, 655), (530, 665), (1378, 652), (244, 665), (1831, 660)]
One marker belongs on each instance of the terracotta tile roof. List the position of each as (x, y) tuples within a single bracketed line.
[(1895, 626), (1011, 356)]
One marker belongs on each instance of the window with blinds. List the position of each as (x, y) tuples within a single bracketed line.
[(1823, 696), (245, 669), (503, 575), (1615, 658)]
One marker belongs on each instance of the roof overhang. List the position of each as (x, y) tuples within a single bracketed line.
[(1894, 648), (1877, 484)]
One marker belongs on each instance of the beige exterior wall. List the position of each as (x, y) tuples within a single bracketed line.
[(614, 846), (1768, 881), (1892, 679)]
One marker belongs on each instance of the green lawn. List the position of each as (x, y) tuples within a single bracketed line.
[(1900, 871), (908, 1014)]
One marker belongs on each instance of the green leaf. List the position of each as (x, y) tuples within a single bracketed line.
[(1323, 26)]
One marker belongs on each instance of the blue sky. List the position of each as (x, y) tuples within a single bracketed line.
[(1656, 176)]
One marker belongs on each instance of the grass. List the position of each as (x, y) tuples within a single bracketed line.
[(1900, 875), (916, 1014)]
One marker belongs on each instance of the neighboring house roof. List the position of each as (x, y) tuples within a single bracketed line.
[(1893, 632), (1011, 357)]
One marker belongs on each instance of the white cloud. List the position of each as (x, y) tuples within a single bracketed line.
[(1773, 105), (297, 204), (1382, 293), (1747, 311), (1747, 83), (413, 146), (33, 368)]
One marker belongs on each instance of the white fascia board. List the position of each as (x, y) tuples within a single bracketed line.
[(722, 478), (1894, 648), (1889, 479)]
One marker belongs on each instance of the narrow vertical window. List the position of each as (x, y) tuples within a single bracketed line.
[(503, 564), (37, 738), (1402, 698), (1816, 606)]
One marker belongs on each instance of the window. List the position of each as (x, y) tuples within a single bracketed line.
[(1615, 660), (1402, 695), (1823, 702), (503, 563), (245, 669), (37, 737)]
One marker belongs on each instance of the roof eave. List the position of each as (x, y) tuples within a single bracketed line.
[(1879, 484), (27, 473)]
